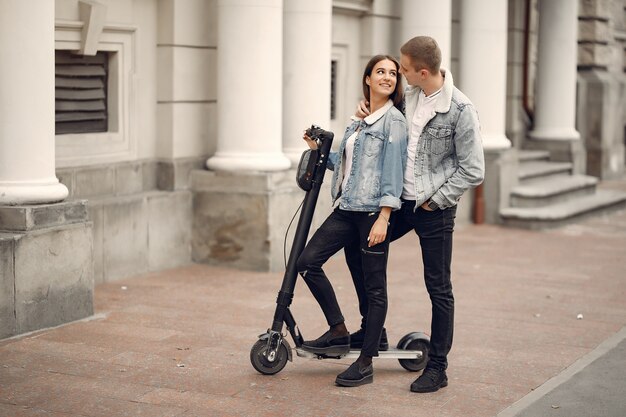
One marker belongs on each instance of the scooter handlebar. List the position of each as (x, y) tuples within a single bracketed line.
[(317, 133)]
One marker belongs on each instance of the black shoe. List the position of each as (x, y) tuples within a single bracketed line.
[(327, 344), (356, 375), (430, 381), (356, 340)]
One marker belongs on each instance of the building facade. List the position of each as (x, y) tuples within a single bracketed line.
[(142, 135)]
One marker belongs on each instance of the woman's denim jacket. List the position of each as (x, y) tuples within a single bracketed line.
[(449, 158), (378, 162)]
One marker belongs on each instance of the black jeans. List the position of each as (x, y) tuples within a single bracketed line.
[(352, 228), (434, 229)]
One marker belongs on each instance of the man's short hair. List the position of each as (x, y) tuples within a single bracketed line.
[(424, 52)]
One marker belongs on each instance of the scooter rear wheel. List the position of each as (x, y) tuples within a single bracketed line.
[(259, 360), (415, 341)]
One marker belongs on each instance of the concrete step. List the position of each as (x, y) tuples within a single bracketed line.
[(541, 192), (533, 169), (555, 215), (525, 155)]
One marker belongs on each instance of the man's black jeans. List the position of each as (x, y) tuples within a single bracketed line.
[(434, 229), (352, 228)]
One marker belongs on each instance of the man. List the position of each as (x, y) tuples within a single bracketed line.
[(445, 159)]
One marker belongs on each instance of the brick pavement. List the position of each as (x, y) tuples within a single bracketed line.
[(176, 342)]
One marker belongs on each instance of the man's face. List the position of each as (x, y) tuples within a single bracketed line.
[(407, 69)]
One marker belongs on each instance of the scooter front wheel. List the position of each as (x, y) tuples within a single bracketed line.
[(415, 341), (260, 362)]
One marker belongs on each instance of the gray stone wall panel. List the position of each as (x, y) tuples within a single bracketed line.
[(169, 230), (125, 238), (94, 182), (7, 286), (96, 213), (128, 178)]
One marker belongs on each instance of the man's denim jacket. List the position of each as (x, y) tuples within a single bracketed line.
[(449, 158), (378, 162)]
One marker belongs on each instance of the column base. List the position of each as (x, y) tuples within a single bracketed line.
[(501, 167), (554, 134), (269, 161), (17, 193), (495, 142)]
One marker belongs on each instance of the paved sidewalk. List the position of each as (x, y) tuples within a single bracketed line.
[(177, 342), (593, 386)]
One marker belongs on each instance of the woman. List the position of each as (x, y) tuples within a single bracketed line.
[(366, 187)]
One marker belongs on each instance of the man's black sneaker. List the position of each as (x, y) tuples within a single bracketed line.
[(356, 340), (356, 375), (430, 381), (327, 344)]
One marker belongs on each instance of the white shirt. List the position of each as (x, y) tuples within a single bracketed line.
[(349, 151), (424, 111)]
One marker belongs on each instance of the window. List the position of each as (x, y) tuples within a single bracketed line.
[(333, 89), (81, 92)]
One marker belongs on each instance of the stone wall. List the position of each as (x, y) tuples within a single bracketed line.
[(141, 214)]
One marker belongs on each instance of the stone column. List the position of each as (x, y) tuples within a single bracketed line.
[(249, 87), (430, 18), (483, 34), (555, 96), (27, 164), (307, 47), (46, 261), (482, 77)]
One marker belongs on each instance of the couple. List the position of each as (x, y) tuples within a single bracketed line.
[(391, 177)]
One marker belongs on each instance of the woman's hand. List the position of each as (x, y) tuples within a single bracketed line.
[(312, 144), (378, 233)]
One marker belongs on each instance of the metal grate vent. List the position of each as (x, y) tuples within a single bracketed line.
[(80, 93)]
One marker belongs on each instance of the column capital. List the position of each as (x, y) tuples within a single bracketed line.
[(496, 141)]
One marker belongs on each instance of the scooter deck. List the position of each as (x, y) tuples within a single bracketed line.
[(354, 353)]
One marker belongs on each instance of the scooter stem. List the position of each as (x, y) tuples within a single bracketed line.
[(285, 295)]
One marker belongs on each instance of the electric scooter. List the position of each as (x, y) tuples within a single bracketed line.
[(270, 353)]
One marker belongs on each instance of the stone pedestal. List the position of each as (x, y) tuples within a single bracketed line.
[(561, 150), (600, 93), (46, 266), (501, 167), (240, 219)]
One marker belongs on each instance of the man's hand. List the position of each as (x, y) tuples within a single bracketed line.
[(425, 206), (362, 110)]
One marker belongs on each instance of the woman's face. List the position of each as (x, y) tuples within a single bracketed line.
[(382, 80)]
